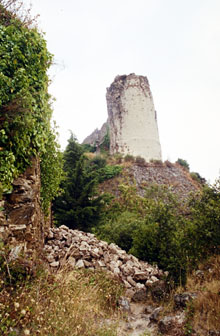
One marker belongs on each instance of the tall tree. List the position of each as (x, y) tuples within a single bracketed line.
[(79, 206)]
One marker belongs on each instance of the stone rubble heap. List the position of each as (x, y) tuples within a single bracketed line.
[(78, 249)]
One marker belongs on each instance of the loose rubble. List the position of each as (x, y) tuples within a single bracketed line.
[(78, 249)]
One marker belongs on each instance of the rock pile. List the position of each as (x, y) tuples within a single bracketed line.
[(78, 249)]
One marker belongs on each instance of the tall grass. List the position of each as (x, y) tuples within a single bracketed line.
[(75, 303)]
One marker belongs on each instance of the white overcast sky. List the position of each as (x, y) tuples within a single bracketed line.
[(175, 43)]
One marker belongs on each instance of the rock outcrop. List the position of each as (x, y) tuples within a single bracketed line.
[(73, 248), (97, 137), (132, 118)]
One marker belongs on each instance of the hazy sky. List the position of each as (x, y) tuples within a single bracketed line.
[(175, 43)]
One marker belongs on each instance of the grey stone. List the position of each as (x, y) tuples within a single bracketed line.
[(79, 264), (182, 299), (55, 264), (139, 295), (124, 304), (155, 314), (166, 324)]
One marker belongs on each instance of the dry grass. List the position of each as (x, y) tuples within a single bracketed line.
[(71, 303), (89, 155), (206, 308)]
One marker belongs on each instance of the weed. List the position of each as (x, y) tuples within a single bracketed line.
[(69, 303)]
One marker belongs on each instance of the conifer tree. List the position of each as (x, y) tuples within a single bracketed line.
[(79, 206)]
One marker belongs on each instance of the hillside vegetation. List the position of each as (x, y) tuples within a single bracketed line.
[(94, 193), (25, 105)]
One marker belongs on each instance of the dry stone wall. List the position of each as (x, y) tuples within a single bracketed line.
[(132, 118), (73, 248), (22, 220)]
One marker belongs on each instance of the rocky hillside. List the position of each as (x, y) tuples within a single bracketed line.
[(144, 174)]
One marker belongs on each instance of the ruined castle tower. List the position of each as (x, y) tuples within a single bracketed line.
[(132, 118)]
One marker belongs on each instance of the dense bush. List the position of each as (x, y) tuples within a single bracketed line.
[(25, 110), (159, 228), (119, 229), (205, 218)]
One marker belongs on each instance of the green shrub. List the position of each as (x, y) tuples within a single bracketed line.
[(157, 162), (97, 162), (205, 218), (105, 145), (88, 148), (140, 161), (183, 163), (118, 158), (120, 229), (129, 158), (160, 239), (108, 172), (198, 178)]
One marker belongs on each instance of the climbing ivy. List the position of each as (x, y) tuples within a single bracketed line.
[(25, 108)]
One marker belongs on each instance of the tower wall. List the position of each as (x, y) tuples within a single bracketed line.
[(132, 118)]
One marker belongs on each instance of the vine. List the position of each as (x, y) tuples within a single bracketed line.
[(25, 108)]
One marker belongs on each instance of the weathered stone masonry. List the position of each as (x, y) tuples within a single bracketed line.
[(22, 220), (132, 118)]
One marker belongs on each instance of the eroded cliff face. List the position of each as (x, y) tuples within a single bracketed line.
[(132, 118), (21, 218)]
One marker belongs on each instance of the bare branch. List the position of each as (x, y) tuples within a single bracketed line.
[(12, 9)]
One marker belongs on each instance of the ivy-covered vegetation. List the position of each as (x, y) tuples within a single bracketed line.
[(25, 106)]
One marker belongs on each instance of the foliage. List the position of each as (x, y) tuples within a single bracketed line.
[(25, 110), (203, 313), (79, 205), (102, 170), (45, 304), (119, 229), (160, 229), (14, 10), (129, 158), (88, 148), (205, 218), (140, 161), (105, 145), (97, 162), (160, 240), (198, 178), (183, 163), (108, 172), (51, 171), (157, 162)]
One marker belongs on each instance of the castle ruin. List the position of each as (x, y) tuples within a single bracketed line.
[(132, 118)]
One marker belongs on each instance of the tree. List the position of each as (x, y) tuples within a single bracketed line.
[(79, 206)]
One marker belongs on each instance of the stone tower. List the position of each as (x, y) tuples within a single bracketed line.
[(132, 118)]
